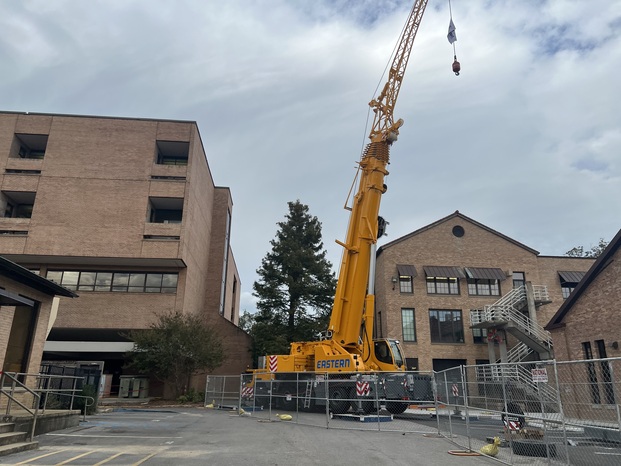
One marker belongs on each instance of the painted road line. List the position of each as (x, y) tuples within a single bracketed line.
[(109, 459), (76, 457), (146, 458), (108, 436), (41, 456)]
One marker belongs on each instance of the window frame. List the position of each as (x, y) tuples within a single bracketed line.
[(477, 285), (456, 332), (452, 285), (116, 281), (407, 335)]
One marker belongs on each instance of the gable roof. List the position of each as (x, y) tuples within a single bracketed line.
[(461, 216), (24, 276), (603, 261)]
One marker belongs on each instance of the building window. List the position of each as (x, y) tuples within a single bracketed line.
[(591, 373), (30, 146), (446, 326), (607, 385), (479, 335), (124, 282), (17, 204), (442, 285), (483, 287), (405, 285), (165, 210), (519, 279), (411, 364), (172, 152), (406, 275), (569, 280), (408, 325)]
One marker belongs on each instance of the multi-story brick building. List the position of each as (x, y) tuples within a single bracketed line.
[(429, 281), (125, 213)]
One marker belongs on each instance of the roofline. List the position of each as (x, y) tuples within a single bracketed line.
[(456, 214), (26, 277), (67, 115), (603, 261)]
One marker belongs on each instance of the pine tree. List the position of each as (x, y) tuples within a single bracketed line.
[(296, 285)]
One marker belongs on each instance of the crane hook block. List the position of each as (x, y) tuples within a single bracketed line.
[(456, 67)]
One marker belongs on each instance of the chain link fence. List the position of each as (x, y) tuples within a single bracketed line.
[(546, 412), (403, 402), (539, 413)]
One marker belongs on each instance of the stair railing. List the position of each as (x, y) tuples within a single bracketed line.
[(10, 392)]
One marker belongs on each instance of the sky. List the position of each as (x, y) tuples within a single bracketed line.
[(525, 140)]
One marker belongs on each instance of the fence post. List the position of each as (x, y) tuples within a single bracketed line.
[(464, 393), (446, 387), (614, 393), (434, 388), (327, 400), (560, 409)]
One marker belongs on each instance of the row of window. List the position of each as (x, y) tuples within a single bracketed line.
[(17, 204), (33, 146), (476, 286), (445, 326), (123, 282)]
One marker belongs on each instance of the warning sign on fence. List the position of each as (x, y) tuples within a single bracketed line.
[(540, 375)]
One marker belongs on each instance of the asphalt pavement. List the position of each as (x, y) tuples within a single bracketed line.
[(200, 436)]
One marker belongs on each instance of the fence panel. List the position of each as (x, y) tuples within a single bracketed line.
[(542, 412)]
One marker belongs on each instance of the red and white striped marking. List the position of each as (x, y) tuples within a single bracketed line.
[(247, 392), (273, 363), (362, 388), (513, 425)]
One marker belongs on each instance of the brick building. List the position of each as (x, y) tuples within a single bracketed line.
[(125, 213), (429, 281), (576, 333)]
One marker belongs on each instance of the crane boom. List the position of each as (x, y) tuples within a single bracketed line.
[(384, 104), (351, 321)]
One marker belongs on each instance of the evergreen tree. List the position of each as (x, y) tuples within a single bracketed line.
[(296, 285)]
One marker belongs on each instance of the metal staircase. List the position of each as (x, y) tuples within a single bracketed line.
[(508, 313)]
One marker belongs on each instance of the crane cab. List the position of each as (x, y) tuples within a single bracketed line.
[(387, 355)]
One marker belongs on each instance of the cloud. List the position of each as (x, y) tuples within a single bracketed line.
[(525, 140)]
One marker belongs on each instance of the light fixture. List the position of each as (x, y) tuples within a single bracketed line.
[(394, 282)]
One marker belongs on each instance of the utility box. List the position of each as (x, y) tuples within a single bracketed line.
[(134, 386)]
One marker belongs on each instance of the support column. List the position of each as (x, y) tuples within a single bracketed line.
[(502, 346), (530, 300)]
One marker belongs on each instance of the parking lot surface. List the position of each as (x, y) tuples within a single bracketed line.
[(198, 436)]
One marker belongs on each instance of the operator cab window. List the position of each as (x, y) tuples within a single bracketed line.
[(382, 352)]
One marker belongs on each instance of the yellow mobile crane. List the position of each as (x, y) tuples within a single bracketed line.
[(347, 353)]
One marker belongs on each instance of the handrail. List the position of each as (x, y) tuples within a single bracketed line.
[(11, 398), (72, 395)]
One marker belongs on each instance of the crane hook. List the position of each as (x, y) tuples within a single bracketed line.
[(456, 66)]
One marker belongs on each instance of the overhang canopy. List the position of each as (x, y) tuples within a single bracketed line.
[(443, 271), (13, 299), (483, 273), (571, 277), (406, 270)]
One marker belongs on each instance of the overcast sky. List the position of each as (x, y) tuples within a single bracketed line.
[(526, 140)]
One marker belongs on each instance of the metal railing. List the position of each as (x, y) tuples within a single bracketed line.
[(13, 392), (507, 309)]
